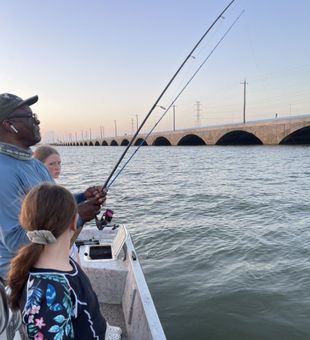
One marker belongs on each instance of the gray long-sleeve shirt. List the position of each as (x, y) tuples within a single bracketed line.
[(17, 178)]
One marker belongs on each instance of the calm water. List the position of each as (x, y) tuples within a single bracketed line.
[(223, 234)]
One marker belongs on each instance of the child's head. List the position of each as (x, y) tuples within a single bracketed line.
[(50, 157), (47, 212), (48, 207)]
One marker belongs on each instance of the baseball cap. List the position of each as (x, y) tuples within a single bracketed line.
[(9, 103)]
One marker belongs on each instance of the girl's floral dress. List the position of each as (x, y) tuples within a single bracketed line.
[(61, 305)]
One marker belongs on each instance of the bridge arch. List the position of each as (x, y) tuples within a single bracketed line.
[(191, 140), (97, 143), (124, 142), (161, 141), (104, 143), (91, 143), (298, 137), (140, 141), (85, 144), (114, 143), (239, 137)]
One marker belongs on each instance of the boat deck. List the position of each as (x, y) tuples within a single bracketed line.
[(114, 316)]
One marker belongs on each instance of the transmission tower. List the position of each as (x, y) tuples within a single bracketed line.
[(198, 113)]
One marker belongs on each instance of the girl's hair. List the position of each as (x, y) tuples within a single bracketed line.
[(44, 151), (46, 207)]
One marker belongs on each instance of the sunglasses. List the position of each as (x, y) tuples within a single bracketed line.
[(34, 116)]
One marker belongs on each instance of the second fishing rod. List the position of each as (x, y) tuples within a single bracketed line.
[(163, 92), (174, 100)]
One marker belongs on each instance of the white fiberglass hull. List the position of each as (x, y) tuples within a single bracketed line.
[(119, 283)]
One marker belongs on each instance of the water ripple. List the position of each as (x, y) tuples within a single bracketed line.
[(222, 233)]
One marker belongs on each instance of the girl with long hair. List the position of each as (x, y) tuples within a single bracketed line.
[(51, 290)]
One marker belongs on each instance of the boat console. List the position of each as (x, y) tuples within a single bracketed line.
[(104, 249)]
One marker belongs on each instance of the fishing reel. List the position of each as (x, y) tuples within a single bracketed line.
[(105, 219)]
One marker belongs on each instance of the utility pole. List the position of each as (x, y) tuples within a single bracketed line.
[(115, 128), (132, 126), (173, 117), (244, 98), (198, 110), (137, 121)]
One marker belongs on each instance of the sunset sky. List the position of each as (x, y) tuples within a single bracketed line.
[(98, 61)]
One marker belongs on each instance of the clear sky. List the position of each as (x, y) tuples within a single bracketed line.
[(99, 61)]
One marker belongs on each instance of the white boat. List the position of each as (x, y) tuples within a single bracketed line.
[(116, 276), (112, 265)]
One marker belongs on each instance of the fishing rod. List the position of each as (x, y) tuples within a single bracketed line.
[(176, 98), (162, 93)]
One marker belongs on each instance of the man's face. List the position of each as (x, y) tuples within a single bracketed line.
[(27, 125)]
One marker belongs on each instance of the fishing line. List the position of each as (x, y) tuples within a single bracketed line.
[(162, 93), (210, 41), (176, 98)]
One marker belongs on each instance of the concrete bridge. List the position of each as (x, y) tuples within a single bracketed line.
[(289, 130)]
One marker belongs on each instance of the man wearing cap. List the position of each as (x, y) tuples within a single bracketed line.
[(19, 172)]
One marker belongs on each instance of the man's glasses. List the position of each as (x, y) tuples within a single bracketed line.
[(34, 116)]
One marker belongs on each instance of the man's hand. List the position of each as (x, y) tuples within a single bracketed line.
[(95, 191), (96, 197), (88, 210)]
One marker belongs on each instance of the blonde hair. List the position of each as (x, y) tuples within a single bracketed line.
[(44, 151), (46, 207)]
